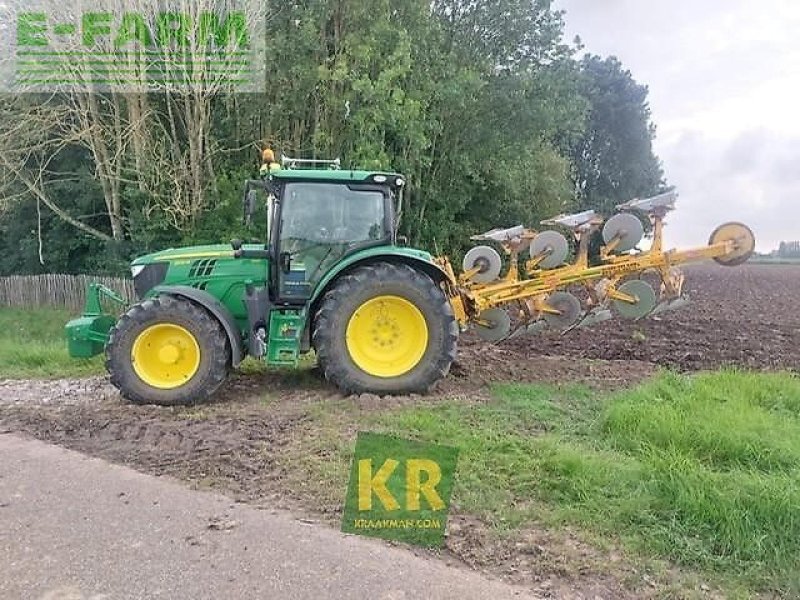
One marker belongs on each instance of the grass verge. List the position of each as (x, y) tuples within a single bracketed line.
[(32, 344), (703, 470)]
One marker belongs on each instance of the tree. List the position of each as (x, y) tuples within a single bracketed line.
[(613, 161), (480, 105)]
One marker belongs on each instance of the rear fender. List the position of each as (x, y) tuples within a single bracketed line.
[(417, 259)]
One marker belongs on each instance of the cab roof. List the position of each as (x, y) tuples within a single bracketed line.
[(336, 175)]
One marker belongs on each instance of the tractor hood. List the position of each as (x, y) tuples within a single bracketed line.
[(212, 268), (189, 253)]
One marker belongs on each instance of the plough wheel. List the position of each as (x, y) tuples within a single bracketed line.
[(553, 245), (487, 260), (743, 238), (625, 227), (498, 325), (569, 308), (645, 299)]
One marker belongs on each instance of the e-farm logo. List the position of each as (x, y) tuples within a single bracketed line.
[(211, 45), (399, 489)]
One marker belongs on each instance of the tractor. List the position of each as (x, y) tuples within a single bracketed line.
[(381, 317)]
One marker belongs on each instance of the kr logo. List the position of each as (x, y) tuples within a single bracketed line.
[(399, 489), (369, 484)]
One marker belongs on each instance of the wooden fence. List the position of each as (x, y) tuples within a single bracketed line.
[(56, 291)]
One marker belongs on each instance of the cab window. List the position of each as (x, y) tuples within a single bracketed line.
[(320, 223)]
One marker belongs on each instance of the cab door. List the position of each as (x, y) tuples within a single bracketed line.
[(320, 223)]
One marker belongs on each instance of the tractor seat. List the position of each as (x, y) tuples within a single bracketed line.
[(662, 201), (572, 221)]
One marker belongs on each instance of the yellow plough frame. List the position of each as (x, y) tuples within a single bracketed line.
[(540, 295)]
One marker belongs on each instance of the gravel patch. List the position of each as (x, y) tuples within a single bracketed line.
[(67, 392)]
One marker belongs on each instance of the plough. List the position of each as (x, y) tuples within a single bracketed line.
[(537, 293)]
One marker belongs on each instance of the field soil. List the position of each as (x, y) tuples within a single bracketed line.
[(745, 317), (246, 442)]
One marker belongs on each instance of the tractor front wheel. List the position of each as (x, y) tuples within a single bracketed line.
[(387, 329), (167, 351)]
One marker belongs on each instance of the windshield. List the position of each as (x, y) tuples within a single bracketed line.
[(320, 222)]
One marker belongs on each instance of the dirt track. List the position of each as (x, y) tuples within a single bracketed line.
[(245, 442)]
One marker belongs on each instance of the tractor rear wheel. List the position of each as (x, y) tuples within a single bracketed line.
[(167, 351), (385, 328)]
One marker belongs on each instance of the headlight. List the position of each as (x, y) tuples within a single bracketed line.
[(146, 277)]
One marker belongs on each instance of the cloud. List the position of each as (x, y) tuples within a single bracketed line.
[(753, 178), (724, 83)]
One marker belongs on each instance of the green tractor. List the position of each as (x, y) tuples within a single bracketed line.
[(381, 317), (331, 277)]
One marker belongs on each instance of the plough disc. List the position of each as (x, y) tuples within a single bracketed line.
[(568, 307), (645, 299), (674, 304), (497, 325), (487, 260), (626, 228), (553, 246)]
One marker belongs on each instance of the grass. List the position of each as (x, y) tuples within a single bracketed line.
[(32, 344), (703, 471), (769, 260)]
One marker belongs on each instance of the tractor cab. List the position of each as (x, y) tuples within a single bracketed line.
[(317, 215)]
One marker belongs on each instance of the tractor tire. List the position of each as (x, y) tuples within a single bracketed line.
[(167, 351), (386, 329)]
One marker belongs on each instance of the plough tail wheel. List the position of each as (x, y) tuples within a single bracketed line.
[(553, 246), (625, 227), (568, 307), (487, 260), (645, 299), (498, 325), (742, 237)]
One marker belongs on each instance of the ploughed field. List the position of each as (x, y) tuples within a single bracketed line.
[(748, 316)]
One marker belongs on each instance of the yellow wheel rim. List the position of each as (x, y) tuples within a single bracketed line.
[(387, 336), (165, 356)]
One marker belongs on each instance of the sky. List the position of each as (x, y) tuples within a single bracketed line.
[(724, 80)]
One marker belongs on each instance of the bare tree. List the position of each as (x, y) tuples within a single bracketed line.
[(139, 100)]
